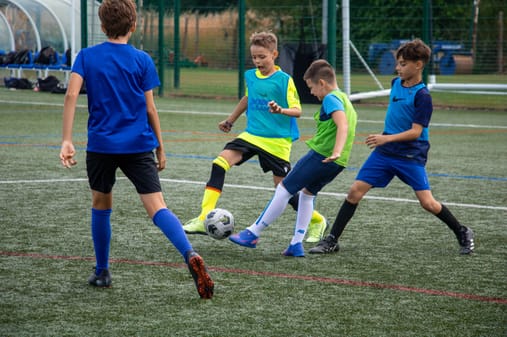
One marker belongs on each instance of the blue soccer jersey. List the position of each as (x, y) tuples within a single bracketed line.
[(261, 90), (118, 120), (408, 105)]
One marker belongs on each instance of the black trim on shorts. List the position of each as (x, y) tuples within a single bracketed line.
[(267, 161)]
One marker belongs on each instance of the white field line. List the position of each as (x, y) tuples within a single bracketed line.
[(216, 113), (258, 188)]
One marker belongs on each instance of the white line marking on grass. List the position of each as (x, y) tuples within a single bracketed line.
[(339, 195), (216, 113), (257, 188), (41, 103)]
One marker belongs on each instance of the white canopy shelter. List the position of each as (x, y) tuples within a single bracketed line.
[(34, 24)]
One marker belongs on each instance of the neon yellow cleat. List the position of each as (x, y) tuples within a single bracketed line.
[(316, 230), (195, 226)]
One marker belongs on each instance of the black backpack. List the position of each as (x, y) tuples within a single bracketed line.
[(47, 55), (8, 58), (68, 57), (47, 84), (17, 83), (22, 57)]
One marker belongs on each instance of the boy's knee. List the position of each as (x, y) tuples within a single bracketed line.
[(356, 193), (431, 206), (222, 162)]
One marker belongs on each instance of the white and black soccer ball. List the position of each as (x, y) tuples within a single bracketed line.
[(219, 223)]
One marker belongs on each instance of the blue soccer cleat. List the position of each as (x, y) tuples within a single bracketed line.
[(245, 238), (295, 250)]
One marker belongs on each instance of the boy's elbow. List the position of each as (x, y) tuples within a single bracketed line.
[(151, 112), (71, 96)]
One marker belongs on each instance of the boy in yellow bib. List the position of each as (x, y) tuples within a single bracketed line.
[(272, 105)]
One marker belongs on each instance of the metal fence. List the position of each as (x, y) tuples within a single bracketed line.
[(466, 37)]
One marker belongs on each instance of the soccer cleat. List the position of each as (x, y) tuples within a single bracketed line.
[(195, 226), (466, 241), (295, 250), (103, 280), (326, 246), (199, 272), (316, 230), (245, 238)]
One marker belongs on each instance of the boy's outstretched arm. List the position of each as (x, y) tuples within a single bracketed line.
[(411, 134), (342, 125), (154, 121), (277, 109), (67, 150), (226, 125)]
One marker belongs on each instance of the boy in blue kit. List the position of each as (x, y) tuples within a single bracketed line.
[(272, 106), (401, 150), (123, 130), (329, 153)]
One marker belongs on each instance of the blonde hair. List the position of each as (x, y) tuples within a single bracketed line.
[(267, 40)]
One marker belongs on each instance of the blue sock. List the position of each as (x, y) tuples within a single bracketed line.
[(173, 230), (101, 235)]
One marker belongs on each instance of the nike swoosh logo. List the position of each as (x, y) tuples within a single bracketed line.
[(396, 99)]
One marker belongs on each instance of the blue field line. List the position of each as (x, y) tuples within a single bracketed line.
[(445, 175), (352, 168), (256, 162)]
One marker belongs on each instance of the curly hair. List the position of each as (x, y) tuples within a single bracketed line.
[(415, 50)]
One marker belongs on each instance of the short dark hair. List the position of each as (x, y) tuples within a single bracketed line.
[(415, 50), (117, 17), (267, 40), (320, 69)]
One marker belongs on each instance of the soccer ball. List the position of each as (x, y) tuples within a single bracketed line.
[(219, 223)]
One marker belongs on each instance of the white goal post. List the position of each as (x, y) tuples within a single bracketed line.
[(472, 88)]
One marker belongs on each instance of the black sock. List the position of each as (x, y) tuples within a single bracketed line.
[(342, 218), (446, 216), (294, 201), (217, 177)]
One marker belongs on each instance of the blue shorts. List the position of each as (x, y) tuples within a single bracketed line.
[(311, 173), (140, 169), (378, 170)]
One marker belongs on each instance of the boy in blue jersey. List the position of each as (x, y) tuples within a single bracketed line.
[(401, 150), (329, 153), (123, 130), (272, 106)]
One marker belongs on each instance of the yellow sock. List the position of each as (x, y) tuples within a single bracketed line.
[(220, 161), (316, 217), (209, 201), (211, 195)]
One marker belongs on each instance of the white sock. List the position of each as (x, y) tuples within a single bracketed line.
[(272, 211), (305, 210)]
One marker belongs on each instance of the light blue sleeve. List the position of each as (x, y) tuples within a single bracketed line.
[(331, 103)]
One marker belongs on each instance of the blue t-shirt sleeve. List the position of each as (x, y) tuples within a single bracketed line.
[(423, 107), (78, 67), (331, 103), (150, 79)]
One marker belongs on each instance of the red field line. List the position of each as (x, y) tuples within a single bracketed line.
[(330, 280)]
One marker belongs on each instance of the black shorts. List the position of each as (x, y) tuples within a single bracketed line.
[(140, 169), (268, 162)]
